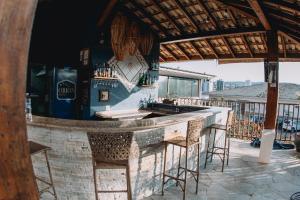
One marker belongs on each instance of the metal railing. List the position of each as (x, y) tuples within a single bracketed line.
[(249, 117)]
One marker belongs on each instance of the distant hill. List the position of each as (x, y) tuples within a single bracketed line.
[(287, 91)]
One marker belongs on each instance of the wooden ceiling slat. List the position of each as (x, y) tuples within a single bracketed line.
[(238, 10), (203, 6), (255, 5), (289, 37), (182, 51), (187, 14), (149, 16), (294, 7), (212, 34), (165, 48), (283, 45), (247, 45), (166, 13), (196, 49), (212, 48)]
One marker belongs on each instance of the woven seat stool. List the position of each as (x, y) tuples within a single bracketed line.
[(221, 151), (192, 139), (36, 148), (111, 151)]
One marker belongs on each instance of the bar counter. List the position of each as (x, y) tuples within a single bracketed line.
[(71, 157)]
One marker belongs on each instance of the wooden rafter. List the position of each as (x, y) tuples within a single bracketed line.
[(228, 46), (149, 16), (212, 34), (182, 51), (106, 12), (205, 9), (247, 45), (242, 36), (197, 50), (239, 10), (162, 10), (212, 48), (283, 15), (289, 37), (255, 5), (168, 51), (283, 45), (294, 7), (186, 14)]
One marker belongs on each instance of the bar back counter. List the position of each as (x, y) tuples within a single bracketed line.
[(71, 157)]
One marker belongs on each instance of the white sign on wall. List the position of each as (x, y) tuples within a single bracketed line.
[(130, 69)]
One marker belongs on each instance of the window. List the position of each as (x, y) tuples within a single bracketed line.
[(178, 87)]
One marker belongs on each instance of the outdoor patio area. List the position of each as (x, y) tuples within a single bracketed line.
[(244, 178)]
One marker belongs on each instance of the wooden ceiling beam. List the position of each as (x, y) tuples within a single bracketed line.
[(288, 36), (150, 17), (182, 51), (212, 49), (212, 34), (294, 7), (247, 45), (164, 48), (166, 13), (186, 14), (242, 36), (283, 45), (205, 8), (228, 46), (106, 12), (239, 10), (197, 50), (255, 5)]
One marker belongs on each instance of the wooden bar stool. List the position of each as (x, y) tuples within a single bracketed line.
[(111, 151), (192, 138), (215, 150), (36, 148)]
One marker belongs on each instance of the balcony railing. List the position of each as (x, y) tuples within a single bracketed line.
[(249, 117)]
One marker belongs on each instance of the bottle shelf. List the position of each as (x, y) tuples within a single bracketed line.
[(105, 78), (148, 86)]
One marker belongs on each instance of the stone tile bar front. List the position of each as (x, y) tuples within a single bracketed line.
[(71, 158)]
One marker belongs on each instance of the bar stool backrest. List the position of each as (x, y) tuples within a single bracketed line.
[(229, 119), (193, 131), (110, 146)]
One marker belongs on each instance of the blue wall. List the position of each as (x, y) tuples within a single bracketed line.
[(120, 97)]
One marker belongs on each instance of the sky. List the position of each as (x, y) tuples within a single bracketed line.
[(289, 72)]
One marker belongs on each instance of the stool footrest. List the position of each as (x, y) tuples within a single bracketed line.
[(112, 191)]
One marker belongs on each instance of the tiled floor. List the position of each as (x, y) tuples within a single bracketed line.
[(245, 178)]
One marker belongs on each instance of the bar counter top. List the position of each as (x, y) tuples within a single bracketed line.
[(123, 125)]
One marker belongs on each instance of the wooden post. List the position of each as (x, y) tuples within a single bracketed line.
[(16, 172), (271, 65)]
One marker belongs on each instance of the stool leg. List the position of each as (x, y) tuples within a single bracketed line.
[(207, 148), (185, 173), (228, 150), (95, 181), (178, 170), (165, 159), (213, 147), (128, 183), (224, 154), (50, 175), (198, 167)]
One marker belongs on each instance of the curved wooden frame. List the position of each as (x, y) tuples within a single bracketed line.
[(16, 171)]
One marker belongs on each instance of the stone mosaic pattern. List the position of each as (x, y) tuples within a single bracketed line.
[(71, 160)]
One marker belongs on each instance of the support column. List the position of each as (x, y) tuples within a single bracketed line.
[(271, 75), (16, 173)]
